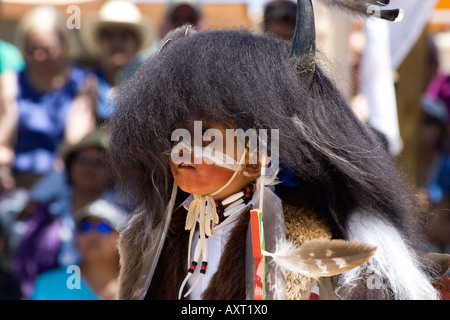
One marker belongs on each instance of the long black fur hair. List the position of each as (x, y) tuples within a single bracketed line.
[(234, 74)]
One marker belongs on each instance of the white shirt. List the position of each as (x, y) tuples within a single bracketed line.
[(216, 245)]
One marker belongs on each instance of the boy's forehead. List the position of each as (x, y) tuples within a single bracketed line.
[(205, 124)]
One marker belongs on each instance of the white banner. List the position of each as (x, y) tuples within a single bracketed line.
[(404, 34), (387, 45), (377, 84)]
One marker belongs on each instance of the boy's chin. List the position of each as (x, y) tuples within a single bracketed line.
[(190, 189)]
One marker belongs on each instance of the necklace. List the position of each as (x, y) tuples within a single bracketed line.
[(201, 211), (224, 207)]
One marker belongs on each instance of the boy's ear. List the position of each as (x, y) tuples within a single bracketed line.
[(252, 170)]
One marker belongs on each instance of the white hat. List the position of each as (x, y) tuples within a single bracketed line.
[(102, 210), (117, 13)]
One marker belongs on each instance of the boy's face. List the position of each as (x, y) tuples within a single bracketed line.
[(202, 177), (117, 46)]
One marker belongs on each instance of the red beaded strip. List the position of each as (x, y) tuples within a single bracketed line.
[(203, 267), (192, 267)]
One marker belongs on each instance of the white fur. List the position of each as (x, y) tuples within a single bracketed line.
[(394, 261), (359, 8)]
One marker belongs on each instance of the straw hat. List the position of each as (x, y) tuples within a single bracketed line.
[(117, 13)]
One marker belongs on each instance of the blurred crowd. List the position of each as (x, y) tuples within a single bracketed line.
[(60, 209)]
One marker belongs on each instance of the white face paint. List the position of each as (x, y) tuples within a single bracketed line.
[(222, 146), (207, 154)]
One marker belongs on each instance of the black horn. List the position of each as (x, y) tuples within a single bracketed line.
[(304, 42)]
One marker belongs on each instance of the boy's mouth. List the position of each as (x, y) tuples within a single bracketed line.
[(185, 166)]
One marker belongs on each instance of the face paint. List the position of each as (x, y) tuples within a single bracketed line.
[(184, 153)]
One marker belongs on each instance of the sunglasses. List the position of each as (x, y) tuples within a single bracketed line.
[(99, 226)]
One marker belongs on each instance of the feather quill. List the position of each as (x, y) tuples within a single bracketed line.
[(365, 8), (321, 257)]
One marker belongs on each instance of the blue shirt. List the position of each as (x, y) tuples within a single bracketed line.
[(439, 186), (62, 284), (42, 121), (105, 104)]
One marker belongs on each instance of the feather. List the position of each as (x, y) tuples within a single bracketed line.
[(365, 8), (321, 257)]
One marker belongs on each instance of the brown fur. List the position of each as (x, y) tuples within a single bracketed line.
[(172, 265), (367, 287), (131, 257), (229, 279), (228, 283), (437, 264), (302, 225)]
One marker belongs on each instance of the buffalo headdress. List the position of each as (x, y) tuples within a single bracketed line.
[(340, 168)]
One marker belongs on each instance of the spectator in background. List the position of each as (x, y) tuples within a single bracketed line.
[(435, 129), (279, 19), (48, 241), (97, 237), (10, 57), (8, 120), (114, 37), (53, 102), (178, 13), (436, 137), (181, 12), (435, 144), (9, 285), (11, 62), (434, 155)]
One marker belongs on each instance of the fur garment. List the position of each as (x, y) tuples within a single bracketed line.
[(340, 167), (299, 228), (229, 281), (383, 277)]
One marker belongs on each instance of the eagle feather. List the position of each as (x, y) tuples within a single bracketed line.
[(321, 257)]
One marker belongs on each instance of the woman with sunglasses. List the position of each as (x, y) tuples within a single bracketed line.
[(96, 277)]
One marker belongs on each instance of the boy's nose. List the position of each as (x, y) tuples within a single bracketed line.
[(182, 150)]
